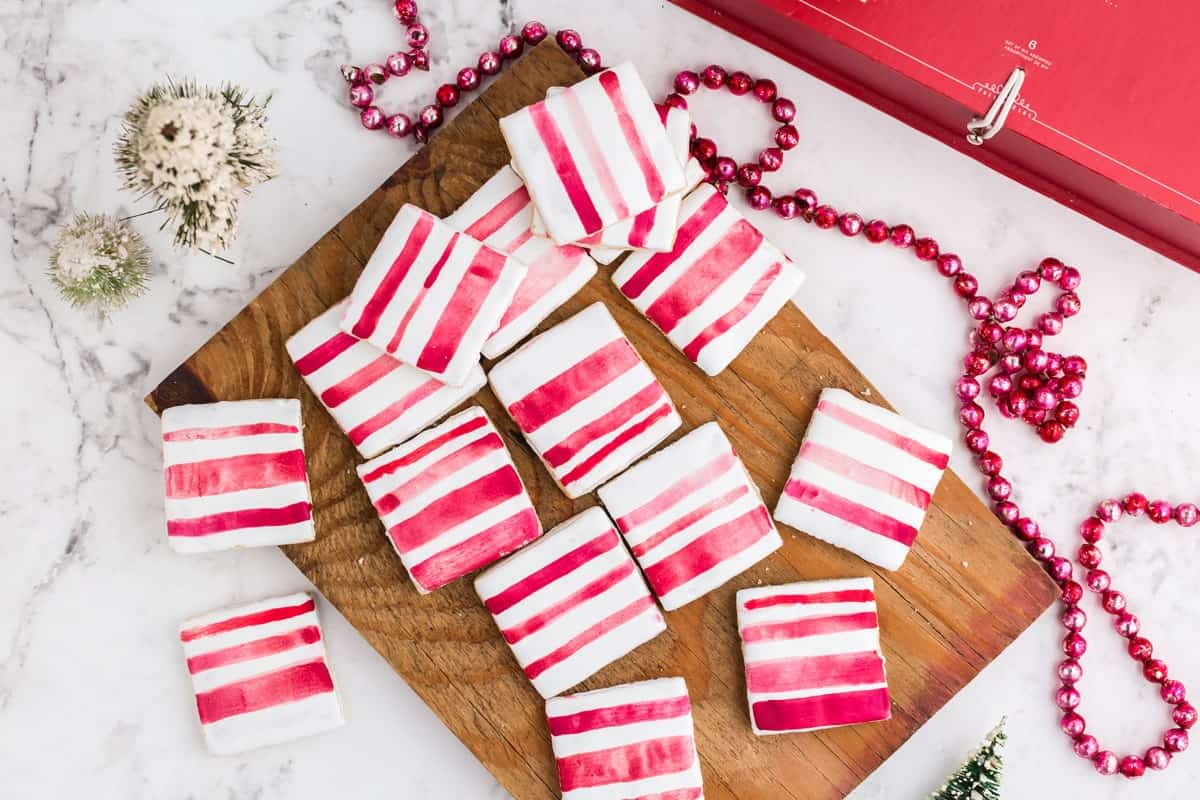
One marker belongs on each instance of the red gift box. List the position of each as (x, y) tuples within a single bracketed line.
[(1106, 121)]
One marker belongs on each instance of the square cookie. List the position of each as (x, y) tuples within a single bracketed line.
[(584, 399), (431, 295), (716, 288), (259, 674), (630, 741), (376, 400), (235, 475), (812, 655), (571, 603), (691, 515), (451, 500), (593, 154), (500, 214), (863, 478)]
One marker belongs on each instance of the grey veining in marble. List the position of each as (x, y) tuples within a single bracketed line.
[(93, 694)]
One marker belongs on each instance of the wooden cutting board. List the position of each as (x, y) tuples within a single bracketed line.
[(966, 591)]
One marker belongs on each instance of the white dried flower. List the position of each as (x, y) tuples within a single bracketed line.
[(99, 262), (196, 150)]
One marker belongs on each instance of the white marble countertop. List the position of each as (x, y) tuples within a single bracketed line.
[(92, 697)]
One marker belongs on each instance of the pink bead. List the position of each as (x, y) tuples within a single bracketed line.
[(967, 388), (447, 95), (569, 40), (1014, 340), (489, 62), (1036, 360), (990, 464), (1074, 645), (749, 175), (1027, 282), (1157, 758), (1059, 568), (590, 60), (783, 110), (1173, 691), (419, 59), (1067, 698), (430, 117), (787, 137), (1086, 746), (1160, 511), (1187, 514), (1000, 384), (1068, 304), (714, 77), (903, 236), (1070, 279), (1035, 339), (1184, 715), (1127, 624), (1135, 504), (725, 168), (965, 284), (510, 46), (759, 197), (1097, 580), (976, 363), (738, 83), (1007, 511), (1175, 740), (1073, 618), (352, 74), (787, 207), (977, 441), (825, 216), (1070, 670), (927, 248), (999, 488), (371, 118), (1050, 323), (1075, 365), (1050, 269), (1070, 387), (361, 95), (399, 125), (765, 90), (705, 150), (949, 265), (1155, 670), (1091, 529), (676, 101), (1090, 556), (1072, 591), (420, 133), (1072, 724), (979, 308), (399, 64), (770, 159), (1044, 399), (1113, 601), (807, 199), (850, 224), (376, 74), (1028, 529), (1041, 548), (1132, 767), (1034, 416), (1005, 310), (1106, 762), (468, 79), (418, 36), (405, 10), (1140, 648), (991, 332), (876, 231), (971, 414), (534, 32), (686, 82), (1018, 298)]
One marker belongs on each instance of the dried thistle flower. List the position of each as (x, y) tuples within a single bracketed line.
[(99, 262), (195, 150)]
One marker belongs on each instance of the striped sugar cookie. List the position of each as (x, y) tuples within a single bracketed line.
[(376, 400), (451, 500), (863, 478), (691, 515), (431, 295), (570, 603), (584, 399), (716, 288), (235, 476), (630, 741), (593, 154), (812, 655), (259, 674), (499, 214)]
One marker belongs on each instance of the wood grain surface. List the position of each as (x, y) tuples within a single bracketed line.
[(966, 591)]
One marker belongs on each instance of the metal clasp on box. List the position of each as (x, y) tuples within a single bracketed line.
[(980, 129)]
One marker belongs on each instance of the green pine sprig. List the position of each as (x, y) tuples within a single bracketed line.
[(979, 776)]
